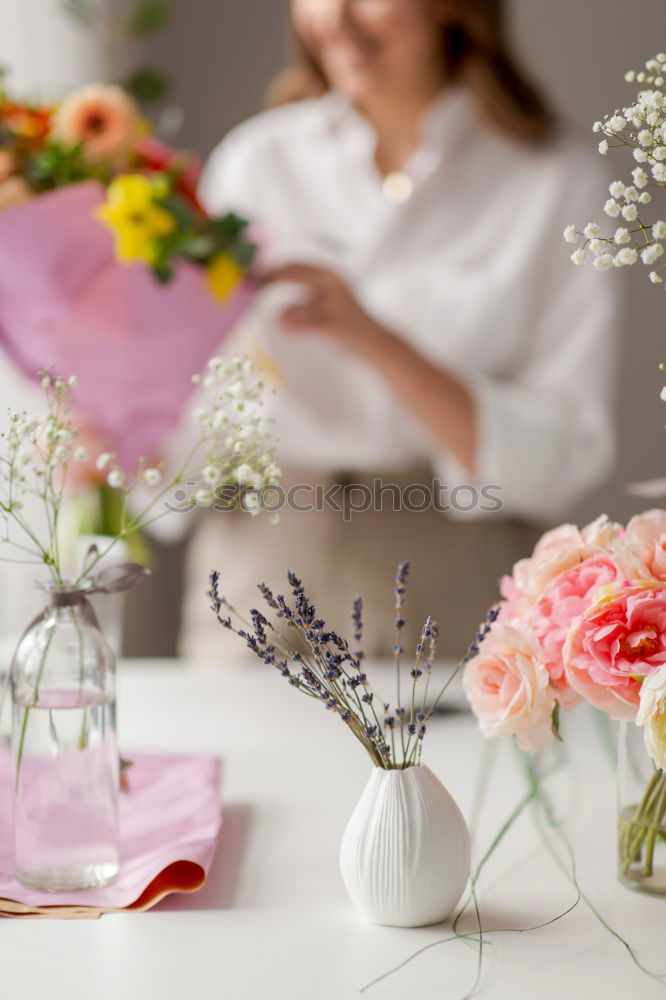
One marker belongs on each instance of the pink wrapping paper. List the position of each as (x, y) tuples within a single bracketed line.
[(134, 344), (169, 826)]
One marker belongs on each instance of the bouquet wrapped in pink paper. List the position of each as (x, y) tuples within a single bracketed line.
[(66, 302), (584, 619), (109, 265)]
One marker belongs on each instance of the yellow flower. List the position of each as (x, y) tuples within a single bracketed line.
[(223, 275), (134, 218)]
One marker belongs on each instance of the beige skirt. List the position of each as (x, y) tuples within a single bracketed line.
[(455, 564)]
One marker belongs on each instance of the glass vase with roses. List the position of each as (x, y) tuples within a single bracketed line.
[(584, 619)]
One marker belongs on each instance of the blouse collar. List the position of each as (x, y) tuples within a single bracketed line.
[(442, 126)]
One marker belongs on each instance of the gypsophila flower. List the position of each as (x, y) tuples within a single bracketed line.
[(591, 230), (104, 460), (604, 262), (652, 253), (655, 278), (81, 454), (659, 172), (612, 208), (115, 479), (579, 256), (603, 147), (659, 230), (645, 198), (622, 236), (630, 213), (152, 477), (662, 394), (640, 156), (626, 256), (640, 177), (570, 234), (597, 247), (616, 189)]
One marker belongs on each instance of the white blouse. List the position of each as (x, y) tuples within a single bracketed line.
[(462, 255)]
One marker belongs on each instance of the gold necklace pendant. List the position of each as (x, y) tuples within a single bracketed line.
[(397, 187)]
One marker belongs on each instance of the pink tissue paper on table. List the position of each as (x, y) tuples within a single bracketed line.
[(169, 826), (133, 344)]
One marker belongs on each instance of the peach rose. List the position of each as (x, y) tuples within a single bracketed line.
[(602, 533), (103, 118), (7, 164), (508, 687), (646, 540), (615, 644), (14, 192)]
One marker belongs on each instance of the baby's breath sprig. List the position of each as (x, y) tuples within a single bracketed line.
[(233, 456), (319, 663), (640, 127)]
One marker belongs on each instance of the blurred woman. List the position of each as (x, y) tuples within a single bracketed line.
[(421, 319)]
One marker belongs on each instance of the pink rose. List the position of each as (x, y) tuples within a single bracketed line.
[(646, 539), (566, 598), (614, 645), (508, 687)]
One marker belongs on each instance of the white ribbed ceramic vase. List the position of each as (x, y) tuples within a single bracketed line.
[(405, 855)]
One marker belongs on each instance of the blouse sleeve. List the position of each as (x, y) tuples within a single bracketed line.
[(546, 433)]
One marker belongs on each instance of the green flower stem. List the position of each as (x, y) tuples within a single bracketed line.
[(644, 827), (26, 710), (655, 828)]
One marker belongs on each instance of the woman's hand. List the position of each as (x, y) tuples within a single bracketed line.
[(330, 309), (436, 397)]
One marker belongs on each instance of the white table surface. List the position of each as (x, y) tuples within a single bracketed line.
[(273, 920)]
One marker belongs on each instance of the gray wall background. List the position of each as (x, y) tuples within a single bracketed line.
[(222, 53)]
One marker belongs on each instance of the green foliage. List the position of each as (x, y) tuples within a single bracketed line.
[(148, 85), (149, 16), (58, 165), (556, 722)]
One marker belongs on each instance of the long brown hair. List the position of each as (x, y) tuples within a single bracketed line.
[(475, 52)]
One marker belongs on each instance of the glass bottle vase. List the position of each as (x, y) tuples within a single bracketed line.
[(64, 748), (641, 815)]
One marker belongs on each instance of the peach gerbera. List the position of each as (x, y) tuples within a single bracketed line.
[(103, 118)]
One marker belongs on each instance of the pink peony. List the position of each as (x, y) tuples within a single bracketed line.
[(646, 540), (508, 687), (103, 118), (565, 598), (616, 643)]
